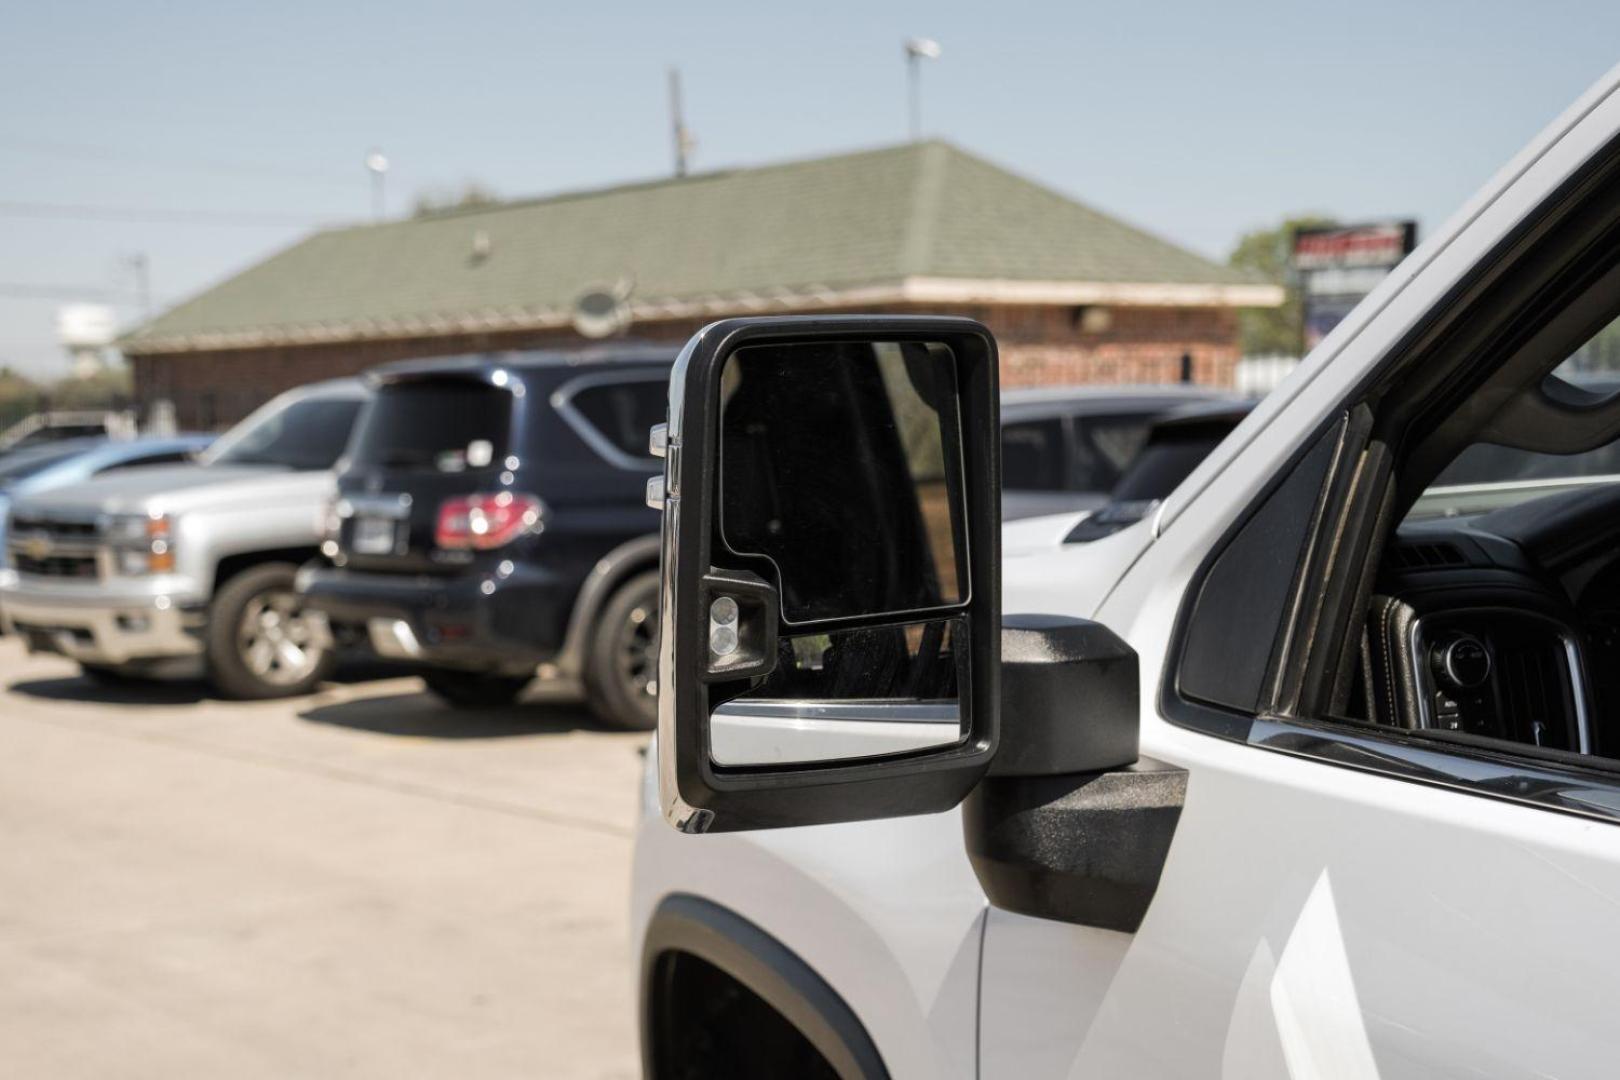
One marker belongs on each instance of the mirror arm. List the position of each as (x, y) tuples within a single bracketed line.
[(1069, 823)]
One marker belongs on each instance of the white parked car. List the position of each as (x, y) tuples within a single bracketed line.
[(1314, 771)]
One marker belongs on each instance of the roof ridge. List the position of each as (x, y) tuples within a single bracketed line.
[(917, 244), (1108, 216), (627, 186)]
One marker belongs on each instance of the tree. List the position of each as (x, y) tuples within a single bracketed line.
[(1264, 253), (438, 200), (110, 388), (19, 396)]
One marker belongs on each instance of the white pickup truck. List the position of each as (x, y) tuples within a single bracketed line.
[(187, 570), (1312, 772)]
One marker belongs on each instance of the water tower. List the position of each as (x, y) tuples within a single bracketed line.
[(86, 330)]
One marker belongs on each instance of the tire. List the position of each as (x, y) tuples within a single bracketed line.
[(621, 663), (475, 690), (260, 643)]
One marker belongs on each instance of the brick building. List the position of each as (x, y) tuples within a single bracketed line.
[(1071, 294)]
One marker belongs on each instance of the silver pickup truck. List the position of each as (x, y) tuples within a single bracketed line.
[(187, 570)]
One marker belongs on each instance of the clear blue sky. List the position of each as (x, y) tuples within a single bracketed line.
[(1197, 120)]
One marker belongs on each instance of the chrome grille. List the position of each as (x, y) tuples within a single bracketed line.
[(71, 566), (54, 547), (55, 530)]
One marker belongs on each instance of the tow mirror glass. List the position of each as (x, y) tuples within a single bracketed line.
[(830, 609)]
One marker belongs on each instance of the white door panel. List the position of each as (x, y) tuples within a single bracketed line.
[(1314, 921)]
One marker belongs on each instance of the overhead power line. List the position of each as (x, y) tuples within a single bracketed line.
[(22, 290), (85, 152), (156, 215)]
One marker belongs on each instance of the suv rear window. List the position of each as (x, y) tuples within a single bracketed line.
[(623, 412), (444, 425)]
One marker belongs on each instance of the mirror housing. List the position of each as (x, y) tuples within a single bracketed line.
[(952, 366)]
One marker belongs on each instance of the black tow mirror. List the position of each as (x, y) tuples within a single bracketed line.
[(831, 551)]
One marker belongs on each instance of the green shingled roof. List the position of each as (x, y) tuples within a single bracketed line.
[(781, 237)]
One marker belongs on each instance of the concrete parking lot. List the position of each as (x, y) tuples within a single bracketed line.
[(357, 883)]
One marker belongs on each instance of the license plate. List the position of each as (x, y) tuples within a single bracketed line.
[(373, 536)]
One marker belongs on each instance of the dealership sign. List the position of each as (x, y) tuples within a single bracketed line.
[(1338, 265)]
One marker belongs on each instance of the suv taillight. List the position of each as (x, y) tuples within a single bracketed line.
[(482, 522)]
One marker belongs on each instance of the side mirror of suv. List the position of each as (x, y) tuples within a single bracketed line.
[(831, 546)]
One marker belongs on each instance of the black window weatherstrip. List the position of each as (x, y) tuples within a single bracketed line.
[(1525, 775)]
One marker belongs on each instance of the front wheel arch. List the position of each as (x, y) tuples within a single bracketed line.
[(690, 926)]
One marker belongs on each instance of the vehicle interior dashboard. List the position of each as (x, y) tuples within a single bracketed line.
[(1501, 626)]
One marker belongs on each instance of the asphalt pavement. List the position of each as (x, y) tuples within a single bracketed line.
[(359, 883)]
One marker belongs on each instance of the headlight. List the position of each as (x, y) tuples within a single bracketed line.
[(125, 528), (141, 543)]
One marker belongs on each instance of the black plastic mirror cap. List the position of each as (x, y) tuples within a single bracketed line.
[(696, 795), (1070, 698), (1086, 849)]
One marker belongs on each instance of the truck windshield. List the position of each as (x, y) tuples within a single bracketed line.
[(303, 435), (438, 425)]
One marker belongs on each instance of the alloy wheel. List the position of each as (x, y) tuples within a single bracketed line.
[(276, 639)]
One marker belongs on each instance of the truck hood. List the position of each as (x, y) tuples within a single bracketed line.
[(179, 488), (1042, 574)]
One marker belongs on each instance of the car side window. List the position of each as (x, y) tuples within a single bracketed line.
[(1103, 447), (1032, 455), (623, 412)]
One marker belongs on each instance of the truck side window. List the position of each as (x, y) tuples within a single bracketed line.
[(1032, 456)]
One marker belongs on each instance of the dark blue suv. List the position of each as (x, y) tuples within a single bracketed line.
[(491, 524)]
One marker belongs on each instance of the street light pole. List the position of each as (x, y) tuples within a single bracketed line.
[(377, 166), (918, 50), (683, 138)]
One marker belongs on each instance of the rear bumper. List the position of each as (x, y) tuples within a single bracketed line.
[(100, 624), (477, 622)]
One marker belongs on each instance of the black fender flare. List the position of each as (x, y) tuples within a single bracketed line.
[(691, 925), (610, 571)]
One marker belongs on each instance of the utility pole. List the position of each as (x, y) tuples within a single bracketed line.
[(377, 166), (918, 50), (140, 268), (683, 138)]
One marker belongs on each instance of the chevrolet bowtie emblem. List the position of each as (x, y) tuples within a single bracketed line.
[(37, 547)]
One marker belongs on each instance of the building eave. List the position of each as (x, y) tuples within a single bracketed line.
[(912, 290)]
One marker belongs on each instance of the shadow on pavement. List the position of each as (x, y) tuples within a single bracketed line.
[(425, 716), (115, 690), (112, 691)]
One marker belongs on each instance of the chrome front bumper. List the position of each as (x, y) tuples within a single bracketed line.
[(94, 625)]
